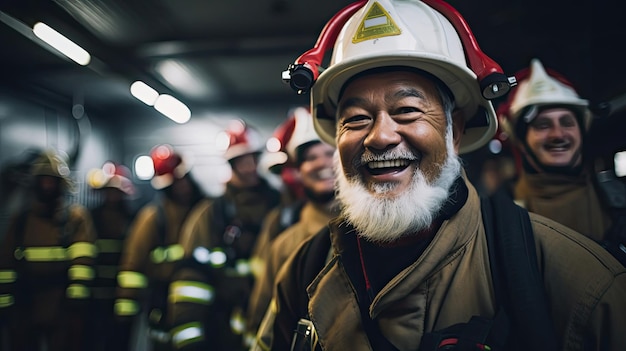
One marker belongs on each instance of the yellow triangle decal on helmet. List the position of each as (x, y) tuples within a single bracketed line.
[(377, 23)]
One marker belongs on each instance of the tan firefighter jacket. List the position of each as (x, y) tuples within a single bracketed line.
[(151, 251), (451, 281), (569, 200), (312, 219), (46, 263)]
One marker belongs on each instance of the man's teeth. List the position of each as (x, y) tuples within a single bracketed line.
[(558, 147), (326, 173), (387, 164)]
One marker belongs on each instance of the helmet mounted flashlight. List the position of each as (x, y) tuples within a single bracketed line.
[(302, 74)]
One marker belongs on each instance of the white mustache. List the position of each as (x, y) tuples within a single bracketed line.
[(390, 155)]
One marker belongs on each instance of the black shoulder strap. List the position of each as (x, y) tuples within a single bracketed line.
[(314, 257), (612, 191), (514, 269)]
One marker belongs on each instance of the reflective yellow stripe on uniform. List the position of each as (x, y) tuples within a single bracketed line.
[(218, 257), (191, 291), (77, 291), (175, 253), (242, 269), (126, 307), (80, 272), (186, 334), (45, 253), (6, 300), (132, 280), (81, 249), (171, 253), (8, 276), (109, 245), (237, 321)]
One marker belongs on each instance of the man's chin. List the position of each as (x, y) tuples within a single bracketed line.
[(383, 190), (557, 162)]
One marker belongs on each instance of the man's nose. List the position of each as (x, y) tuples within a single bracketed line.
[(384, 133), (556, 132)]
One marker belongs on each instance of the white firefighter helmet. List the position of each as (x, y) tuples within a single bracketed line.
[(387, 33), (53, 163), (536, 89), (303, 133), (276, 156), (111, 175), (242, 140)]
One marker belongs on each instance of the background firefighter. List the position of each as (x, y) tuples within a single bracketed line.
[(230, 225), (46, 264), (560, 177), (152, 249), (112, 218)]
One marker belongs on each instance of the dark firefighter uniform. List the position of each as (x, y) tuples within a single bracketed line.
[(148, 260), (222, 233), (112, 219), (152, 250), (46, 268), (192, 294)]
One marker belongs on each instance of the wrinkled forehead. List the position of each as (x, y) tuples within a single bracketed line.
[(396, 74)]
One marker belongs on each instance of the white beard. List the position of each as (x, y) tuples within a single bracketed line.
[(380, 219)]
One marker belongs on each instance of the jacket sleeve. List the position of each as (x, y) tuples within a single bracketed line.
[(132, 279), (8, 271), (271, 224), (283, 313), (191, 293), (190, 297), (608, 319), (82, 254), (264, 285), (586, 294)]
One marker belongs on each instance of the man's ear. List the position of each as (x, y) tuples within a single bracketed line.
[(458, 127)]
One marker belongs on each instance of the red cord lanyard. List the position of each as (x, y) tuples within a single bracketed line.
[(368, 284)]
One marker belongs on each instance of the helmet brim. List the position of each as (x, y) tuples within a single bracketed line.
[(461, 81)]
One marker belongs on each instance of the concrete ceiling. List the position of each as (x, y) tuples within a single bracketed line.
[(237, 49)]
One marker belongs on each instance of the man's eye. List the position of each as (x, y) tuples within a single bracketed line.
[(355, 119), (541, 125), (407, 109), (568, 123)]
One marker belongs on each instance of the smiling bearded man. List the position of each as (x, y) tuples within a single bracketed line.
[(384, 219), (407, 265)]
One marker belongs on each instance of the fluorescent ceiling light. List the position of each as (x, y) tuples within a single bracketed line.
[(620, 164), (184, 78), (61, 43), (172, 108), (144, 93)]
